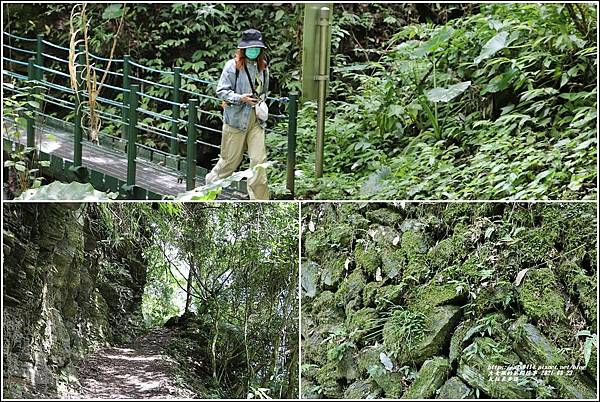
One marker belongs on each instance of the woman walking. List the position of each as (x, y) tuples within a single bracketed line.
[(244, 81)]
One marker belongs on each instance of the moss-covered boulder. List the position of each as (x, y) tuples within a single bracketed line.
[(368, 357), (361, 324), (474, 370), (540, 296), (454, 388), (534, 348), (387, 296), (426, 339), (327, 377), (385, 216), (351, 289), (582, 288), (532, 345), (392, 262), (362, 389), (332, 268), (390, 382), (370, 293), (435, 294), (430, 377), (347, 366), (325, 309), (445, 252), (367, 259)]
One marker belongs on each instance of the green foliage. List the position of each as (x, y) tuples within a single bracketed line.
[(525, 128), (591, 342)]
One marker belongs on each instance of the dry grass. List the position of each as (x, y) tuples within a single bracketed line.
[(79, 24)]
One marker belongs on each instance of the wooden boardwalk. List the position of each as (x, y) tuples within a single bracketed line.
[(149, 175)]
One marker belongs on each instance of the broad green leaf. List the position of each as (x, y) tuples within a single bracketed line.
[(492, 46), (437, 41), (112, 11), (447, 94)]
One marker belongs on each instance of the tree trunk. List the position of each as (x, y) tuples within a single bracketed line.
[(188, 296)]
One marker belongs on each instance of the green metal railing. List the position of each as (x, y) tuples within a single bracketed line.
[(166, 106)]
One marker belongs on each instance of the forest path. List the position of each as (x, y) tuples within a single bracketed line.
[(139, 371)]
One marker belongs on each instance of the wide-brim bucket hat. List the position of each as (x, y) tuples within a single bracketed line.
[(251, 38)]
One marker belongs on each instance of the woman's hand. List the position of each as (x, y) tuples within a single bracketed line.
[(248, 99)]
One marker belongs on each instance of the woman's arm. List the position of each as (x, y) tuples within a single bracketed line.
[(226, 84)]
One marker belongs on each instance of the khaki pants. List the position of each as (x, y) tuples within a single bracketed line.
[(233, 145)]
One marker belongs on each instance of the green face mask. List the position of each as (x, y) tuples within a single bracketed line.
[(252, 53)]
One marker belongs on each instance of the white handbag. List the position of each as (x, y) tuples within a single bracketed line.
[(262, 110)]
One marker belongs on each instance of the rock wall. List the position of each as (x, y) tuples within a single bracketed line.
[(422, 301), (66, 290)]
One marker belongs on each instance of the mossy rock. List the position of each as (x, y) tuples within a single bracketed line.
[(370, 292), (457, 342), (327, 378), (361, 389), (315, 348), (534, 245), (454, 388), (430, 377), (573, 387), (491, 324), (340, 235), (333, 267), (385, 216), (392, 262), (532, 346), (325, 310), (387, 296), (351, 289), (430, 341), (367, 258), (474, 371), (413, 244), (367, 358), (581, 288), (346, 366), (449, 250), (495, 298), (540, 296), (456, 212), (435, 294), (412, 225), (389, 381), (315, 243), (308, 389), (361, 323)]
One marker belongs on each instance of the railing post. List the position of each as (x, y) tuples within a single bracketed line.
[(39, 57), (132, 134), (291, 151), (126, 85), (175, 110), (30, 118), (39, 63), (190, 182)]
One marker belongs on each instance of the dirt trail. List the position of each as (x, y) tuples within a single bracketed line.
[(140, 371)]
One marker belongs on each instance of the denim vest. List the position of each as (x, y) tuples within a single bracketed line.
[(236, 113)]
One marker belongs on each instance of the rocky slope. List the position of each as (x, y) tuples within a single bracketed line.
[(67, 290), (423, 301)]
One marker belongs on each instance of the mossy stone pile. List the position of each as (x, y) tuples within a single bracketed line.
[(420, 300)]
